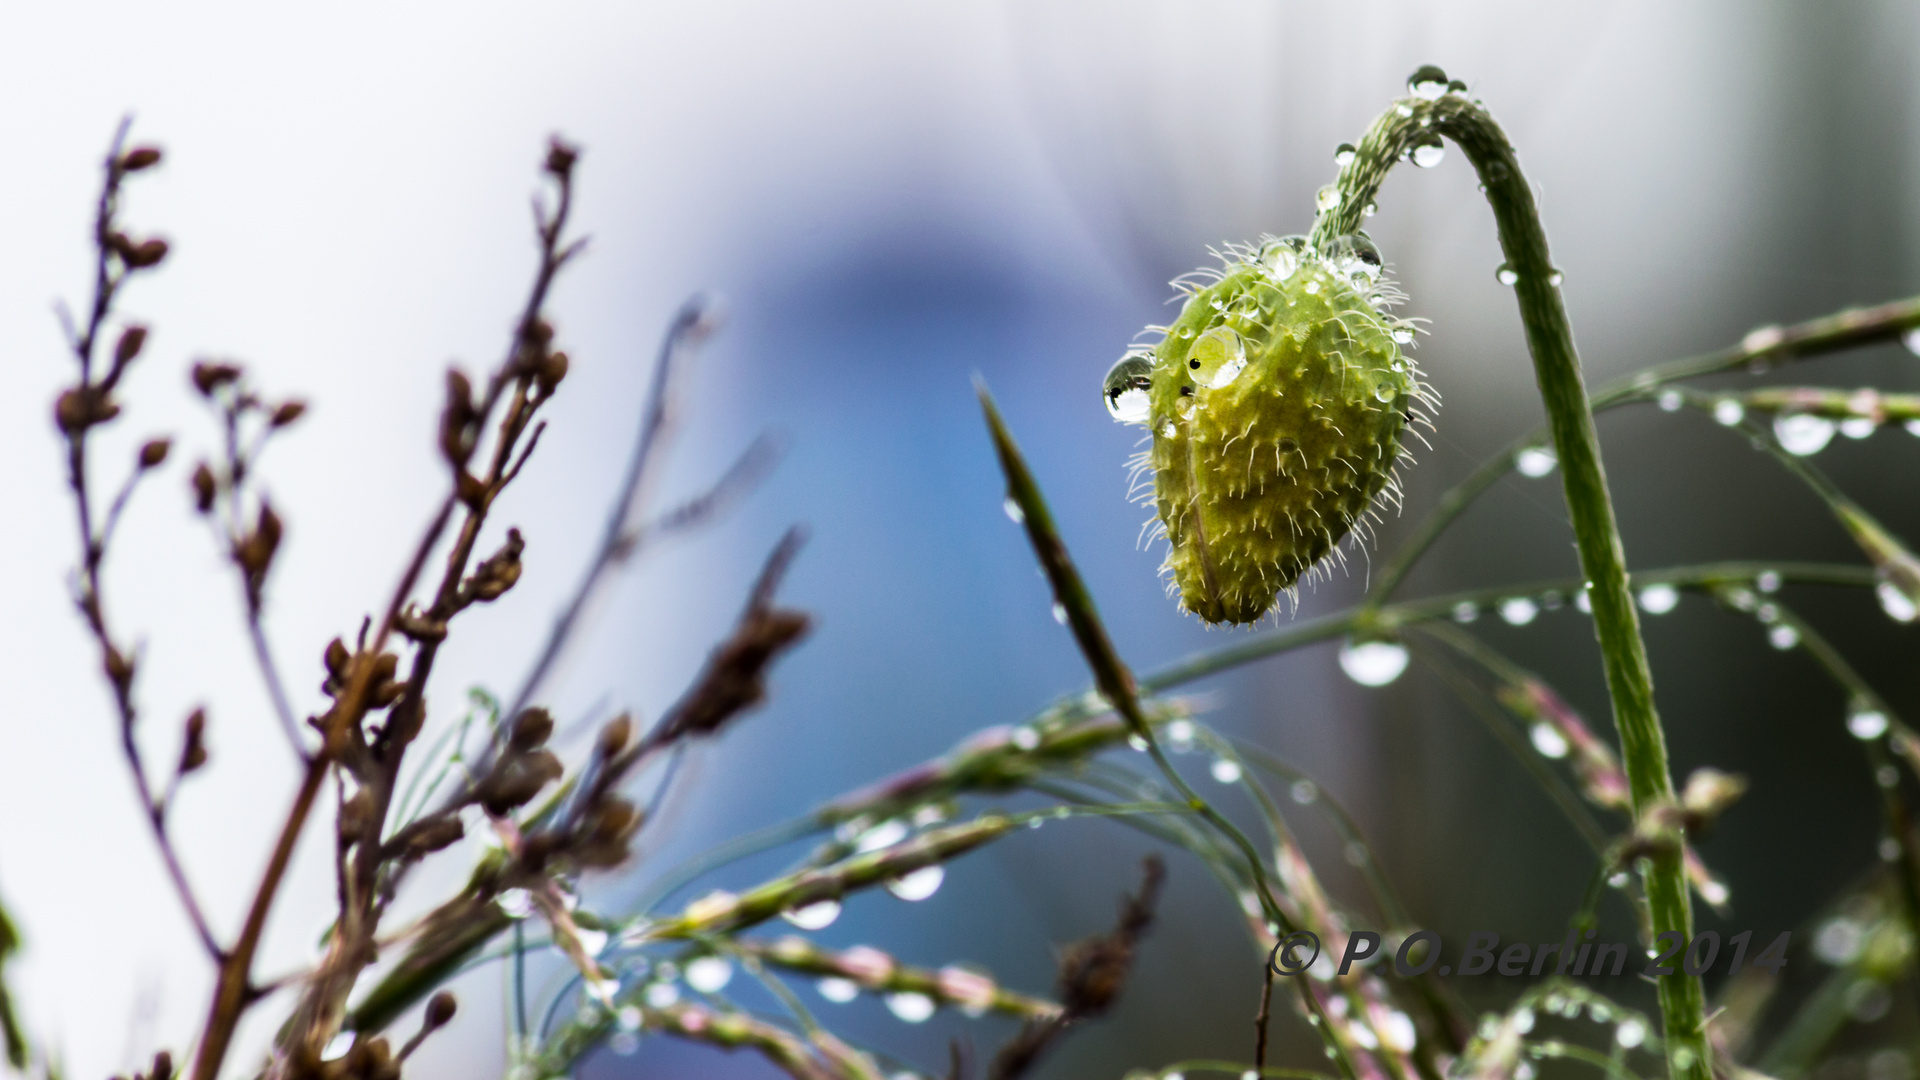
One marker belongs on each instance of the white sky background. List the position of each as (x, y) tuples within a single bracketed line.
[(346, 191)]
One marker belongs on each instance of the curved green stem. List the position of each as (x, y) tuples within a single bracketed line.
[(1602, 559)]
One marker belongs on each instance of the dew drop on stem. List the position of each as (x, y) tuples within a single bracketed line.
[(1428, 153), (1670, 400), (1911, 339), (1014, 513), (710, 974), (1125, 389), (919, 884), (1060, 613), (1899, 607), (910, 1006), (1659, 599), (1802, 434), (1226, 771), (838, 990), (1864, 721), (1767, 581), (1428, 82), (1465, 611), (1858, 427), (1783, 637), (1518, 610), (1304, 792), (815, 916), (1373, 663), (1326, 198), (1343, 154), (1729, 411), (1025, 737), (1535, 462), (1506, 275)]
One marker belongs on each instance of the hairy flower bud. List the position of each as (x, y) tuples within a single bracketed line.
[(1276, 403)]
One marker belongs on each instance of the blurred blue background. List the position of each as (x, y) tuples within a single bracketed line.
[(893, 201)]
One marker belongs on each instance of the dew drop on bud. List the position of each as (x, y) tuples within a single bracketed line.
[(919, 884), (1518, 610), (1659, 599), (1373, 663), (1125, 389), (1802, 434), (1218, 358), (1025, 738), (815, 916), (1343, 154), (1506, 275), (1402, 335), (1427, 82), (1548, 740), (1280, 258), (1535, 462)]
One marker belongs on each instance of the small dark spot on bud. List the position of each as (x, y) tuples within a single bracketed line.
[(1186, 391)]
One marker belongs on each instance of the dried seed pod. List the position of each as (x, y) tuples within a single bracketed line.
[(516, 780), (203, 488), (435, 835), (82, 407), (131, 341), (552, 369), (531, 729), (193, 752), (493, 577), (1276, 403), (208, 377), (154, 452), (440, 1010), (138, 158), (141, 255), (287, 413), (615, 736), (459, 420)]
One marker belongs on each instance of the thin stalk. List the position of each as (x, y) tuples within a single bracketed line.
[(1597, 536)]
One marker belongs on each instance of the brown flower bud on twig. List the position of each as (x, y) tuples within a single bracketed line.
[(208, 377), (516, 780), (608, 829), (138, 158), (193, 752), (459, 420), (615, 736), (435, 835), (138, 256), (131, 340), (440, 1009), (287, 413), (494, 576), (154, 452), (118, 667), (82, 407), (550, 371), (255, 552)]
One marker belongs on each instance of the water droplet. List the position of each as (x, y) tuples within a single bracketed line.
[(1866, 722), (1304, 792), (710, 974), (1630, 1033), (624, 1043), (1427, 82), (1659, 599), (1898, 605), (1137, 743), (1357, 257), (884, 835), (1518, 610), (1767, 581), (1506, 275), (1802, 434), (1783, 637), (1226, 771), (1857, 427), (1618, 880), (1548, 740), (1728, 411), (1911, 339), (1312, 287), (1369, 210), (517, 903), (1554, 279), (929, 815), (1386, 392), (1326, 198), (1889, 852), (1398, 1032), (1523, 1021), (661, 995), (1280, 258), (1217, 358), (1025, 738), (1670, 400), (1060, 613), (1013, 511), (1839, 940), (1373, 663), (1583, 602), (629, 1018), (1126, 389), (1887, 776), (1427, 154), (910, 1006), (1167, 429), (815, 916), (1535, 461), (1343, 154), (1403, 110), (1465, 611), (919, 884), (1402, 335), (838, 990)]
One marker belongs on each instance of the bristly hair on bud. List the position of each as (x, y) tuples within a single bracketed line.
[(1275, 404)]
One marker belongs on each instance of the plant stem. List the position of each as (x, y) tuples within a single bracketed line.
[(1602, 559)]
